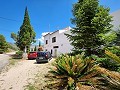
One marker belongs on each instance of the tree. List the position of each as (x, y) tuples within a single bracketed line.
[(3, 43), (117, 41), (109, 38), (26, 35), (91, 23), (35, 49), (14, 36), (39, 43)]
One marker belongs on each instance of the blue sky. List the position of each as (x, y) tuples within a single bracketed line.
[(45, 15)]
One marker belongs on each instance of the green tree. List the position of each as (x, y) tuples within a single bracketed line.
[(3, 43), (26, 35), (91, 22), (14, 36), (109, 38), (39, 43), (35, 49), (117, 41)]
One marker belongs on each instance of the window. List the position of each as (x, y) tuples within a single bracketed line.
[(55, 46), (53, 39), (46, 41)]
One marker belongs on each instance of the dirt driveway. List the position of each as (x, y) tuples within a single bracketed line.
[(21, 74), (4, 59)]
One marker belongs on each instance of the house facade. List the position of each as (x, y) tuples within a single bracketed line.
[(57, 42)]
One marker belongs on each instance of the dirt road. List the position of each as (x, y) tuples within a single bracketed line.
[(4, 59), (19, 75)]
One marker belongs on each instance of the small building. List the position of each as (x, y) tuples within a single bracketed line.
[(32, 48), (57, 42)]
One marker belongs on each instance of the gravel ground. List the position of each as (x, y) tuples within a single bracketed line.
[(24, 72), (4, 60)]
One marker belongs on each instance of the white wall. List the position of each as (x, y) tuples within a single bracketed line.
[(65, 46), (61, 41), (47, 46)]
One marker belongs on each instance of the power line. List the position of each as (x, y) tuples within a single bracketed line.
[(4, 18), (9, 19)]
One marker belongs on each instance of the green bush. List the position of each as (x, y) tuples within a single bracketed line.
[(18, 55), (114, 50), (1, 51), (73, 71), (106, 62)]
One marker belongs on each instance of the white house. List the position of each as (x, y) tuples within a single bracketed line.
[(57, 42)]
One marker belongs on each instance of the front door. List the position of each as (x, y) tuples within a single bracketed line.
[(55, 52)]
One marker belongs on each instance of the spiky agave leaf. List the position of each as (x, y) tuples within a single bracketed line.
[(113, 56), (73, 68)]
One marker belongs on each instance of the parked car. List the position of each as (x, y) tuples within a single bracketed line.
[(32, 55), (43, 56)]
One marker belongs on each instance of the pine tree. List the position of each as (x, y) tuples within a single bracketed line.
[(39, 43), (35, 49), (91, 22), (26, 35)]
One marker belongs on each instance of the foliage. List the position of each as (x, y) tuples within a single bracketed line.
[(106, 62), (110, 78), (109, 37), (29, 87), (26, 34), (114, 50), (91, 21), (19, 52), (1, 51), (39, 43), (117, 41), (3, 44), (14, 36), (35, 49), (113, 56), (73, 72), (18, 55)]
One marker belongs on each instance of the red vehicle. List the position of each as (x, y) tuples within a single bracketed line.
[(32, 55)]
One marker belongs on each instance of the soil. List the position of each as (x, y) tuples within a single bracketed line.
[(21, 74)]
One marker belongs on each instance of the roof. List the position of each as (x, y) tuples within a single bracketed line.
[(67, 28)]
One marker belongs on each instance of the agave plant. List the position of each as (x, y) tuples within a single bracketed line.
[(113, 56), (72, 72), (111, 78)]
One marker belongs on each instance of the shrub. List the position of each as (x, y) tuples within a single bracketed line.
[(18, 55), (72, 72), (106, 62), (1, 51), (114, 50), (113, 56)]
